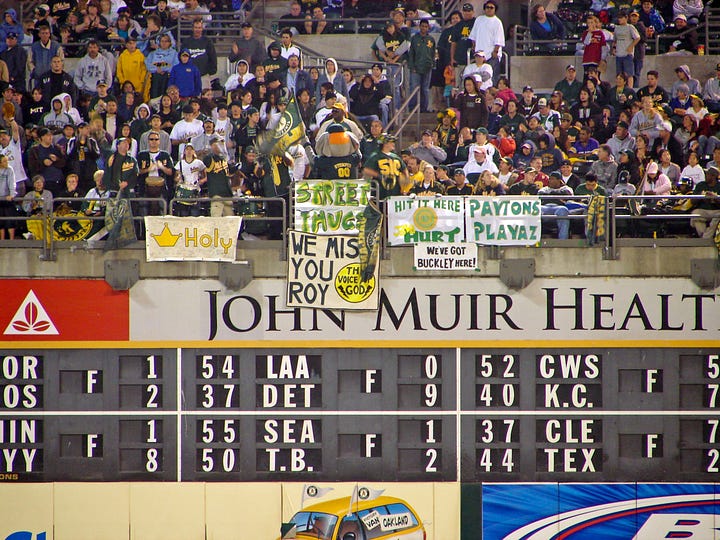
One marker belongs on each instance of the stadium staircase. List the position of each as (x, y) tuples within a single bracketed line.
[(712, 36)]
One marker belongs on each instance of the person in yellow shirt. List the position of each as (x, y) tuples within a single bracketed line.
[(131, 67)]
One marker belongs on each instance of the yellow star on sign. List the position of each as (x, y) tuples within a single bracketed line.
[(166, 238)]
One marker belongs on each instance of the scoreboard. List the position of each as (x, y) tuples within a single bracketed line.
[(392, 414)]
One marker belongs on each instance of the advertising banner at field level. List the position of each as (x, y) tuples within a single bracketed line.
[(330, 206), (412, 220), (591, 511), (171, 238), (503, 220), (324, 272)]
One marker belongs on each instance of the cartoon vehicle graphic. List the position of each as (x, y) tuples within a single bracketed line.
[(380, 518)]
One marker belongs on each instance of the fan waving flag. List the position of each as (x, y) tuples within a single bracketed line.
[(289, 130)]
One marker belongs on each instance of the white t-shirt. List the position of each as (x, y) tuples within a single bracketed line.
[(696, 173), (486, 33), (190, 173), (13, 151), (183, 131)]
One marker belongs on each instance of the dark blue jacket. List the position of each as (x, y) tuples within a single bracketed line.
[(187, 78)]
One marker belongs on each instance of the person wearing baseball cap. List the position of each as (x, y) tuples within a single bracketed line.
[(528, 104), (480, 68), (460, 41), (392, 177), (426, 150), (460, 185), (186, 76), (569, 86)]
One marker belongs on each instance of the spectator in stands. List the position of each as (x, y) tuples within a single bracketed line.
[(387, 168), (692, 9), (646, 121), (287, 47), (653, 89), (605, 168), (369, 144), (488, 35), (429, 186), (593, 43), (547, 118), (478, 162), (421, 58), (709, 207), (461, 42), (42, 52), (687, 38), (620, 95), (711, 94), (296, 22), (546, 26), (131, 66), (585, 109), (553, 203), (481, 69), (240, 78), (159, 63), (626, 39), (186, 76), (668, 167), (16, 57), (665, 141), (95, 25), (684, 78), (47, 159), (427, 151), (528, 104), (332, 75), (37, 200), (202, 53), (651, 18), (7, 194), (460, 185), (569, 86), (317, 23), (155, 29), (655, 182), (365, 100), (56, 119), (488, 185), (621, 139), (248, 47), (383, 86), (639, 52), (585, 145), (470, 104)]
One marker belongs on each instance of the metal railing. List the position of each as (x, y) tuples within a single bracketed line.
[(525, 45), (400, 119)]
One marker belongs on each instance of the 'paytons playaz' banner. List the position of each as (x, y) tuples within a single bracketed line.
[(481, 220)]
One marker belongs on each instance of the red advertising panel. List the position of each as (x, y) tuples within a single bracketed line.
[(62, 310)]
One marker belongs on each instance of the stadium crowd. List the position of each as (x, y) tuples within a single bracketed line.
[(141, 117)]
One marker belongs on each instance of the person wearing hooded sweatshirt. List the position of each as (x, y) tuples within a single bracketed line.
[(141, 123), (275, 62), (334, 76), (240, 78), (68, 108), (93, 67), (56, 119), (131, 66), (10, 24), (552, 156), (684, 77), (186, 76), (524, 155)]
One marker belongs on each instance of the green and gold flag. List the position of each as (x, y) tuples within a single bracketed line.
[(290, 130), (369, 231)]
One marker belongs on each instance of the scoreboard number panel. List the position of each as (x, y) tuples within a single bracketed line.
[(300, 414)]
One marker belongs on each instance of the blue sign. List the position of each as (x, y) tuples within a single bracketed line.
[(607, 511)]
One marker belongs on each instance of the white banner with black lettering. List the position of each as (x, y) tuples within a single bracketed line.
[(456, 256), (170, 238), (503, 220), (324, 272)]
